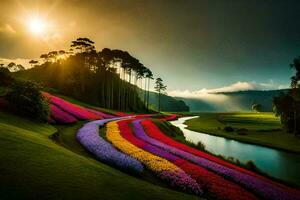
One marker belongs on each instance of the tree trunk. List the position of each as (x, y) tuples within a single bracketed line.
[(158, 101), (144, 91), (112, 90), (148, 94), (295, 119)]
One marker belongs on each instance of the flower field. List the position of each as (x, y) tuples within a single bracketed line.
[(64, 112), (88, 136), (164, 169), (135, 143)]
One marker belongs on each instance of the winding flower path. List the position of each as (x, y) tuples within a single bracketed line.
[(89, 137), (136, 142)]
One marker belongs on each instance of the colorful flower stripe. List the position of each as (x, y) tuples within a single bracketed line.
[(60, 116), (122, 114), (104, 115), (171, 117), (77, 111), (217, 186), (262, 188), (164, 169), (144, 116), (89, 137)]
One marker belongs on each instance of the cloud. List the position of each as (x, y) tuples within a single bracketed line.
[(238, 86)]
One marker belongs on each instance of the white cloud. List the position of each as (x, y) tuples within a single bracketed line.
[(238, 86)]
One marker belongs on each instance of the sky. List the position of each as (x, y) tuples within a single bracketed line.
[(193, 45)]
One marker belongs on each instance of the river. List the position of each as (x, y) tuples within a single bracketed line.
[(277, 163)]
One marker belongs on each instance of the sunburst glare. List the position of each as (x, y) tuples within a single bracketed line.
[(36, 26)]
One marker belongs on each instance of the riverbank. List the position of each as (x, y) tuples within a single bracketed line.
[(255, 128)]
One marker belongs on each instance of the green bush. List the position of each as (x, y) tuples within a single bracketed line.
[(228, 129), (28, 100), (251, 165), (201, 146)]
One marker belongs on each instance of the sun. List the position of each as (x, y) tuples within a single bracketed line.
[(36, 26)]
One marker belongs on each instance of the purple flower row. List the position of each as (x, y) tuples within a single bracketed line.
[(263, 189), (182, 181), (89, 137)]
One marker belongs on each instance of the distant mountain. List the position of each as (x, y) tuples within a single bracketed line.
[(232, 101), (168, 103)]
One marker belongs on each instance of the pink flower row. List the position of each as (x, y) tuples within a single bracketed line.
[(62, 111)]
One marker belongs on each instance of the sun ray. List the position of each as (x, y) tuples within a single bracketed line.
[(36, 26)]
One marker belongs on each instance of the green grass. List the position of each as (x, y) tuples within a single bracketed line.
[(261, 128), (32, 166), (66, 136)]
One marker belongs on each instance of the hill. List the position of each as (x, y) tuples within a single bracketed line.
[(168, 103), (232, 101), (34, 167)]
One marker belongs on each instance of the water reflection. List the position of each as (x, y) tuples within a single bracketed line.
[(277, 163)]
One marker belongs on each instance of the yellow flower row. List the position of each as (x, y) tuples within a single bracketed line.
[(153, 162)]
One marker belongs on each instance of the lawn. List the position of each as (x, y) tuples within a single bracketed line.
[(32, 166), (257, 128)]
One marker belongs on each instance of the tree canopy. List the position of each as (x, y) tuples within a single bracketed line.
[(110, 78), (160, 88), (287, 105)]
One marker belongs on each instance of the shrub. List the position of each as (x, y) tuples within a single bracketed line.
[(27, 98), (250, 165), (200, 146), (228, 129)]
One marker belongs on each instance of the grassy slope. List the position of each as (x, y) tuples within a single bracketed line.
[(263, 128), (33, 167)]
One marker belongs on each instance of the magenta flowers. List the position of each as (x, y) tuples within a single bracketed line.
[(70, 112), (59, 116)]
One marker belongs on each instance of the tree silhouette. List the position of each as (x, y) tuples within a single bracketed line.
[(12, 66), (256, 107), (20, 67), (160, 88), (33, 62), (295, 89), (287, 105), (109, 78), (45, 57), (149, 77), (83, 45), (296, 78)]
